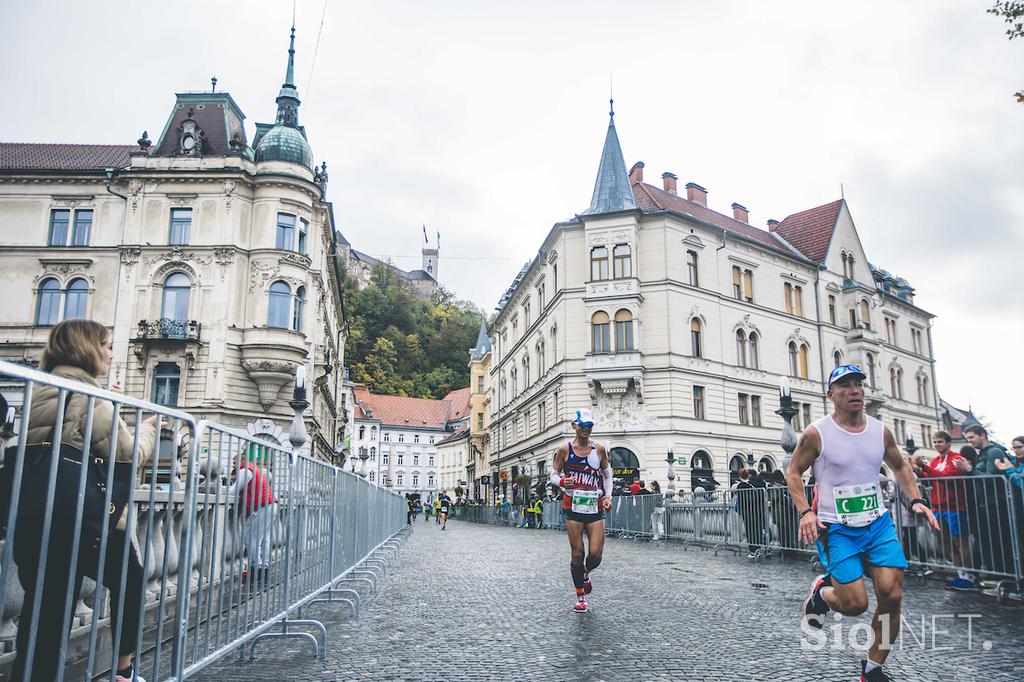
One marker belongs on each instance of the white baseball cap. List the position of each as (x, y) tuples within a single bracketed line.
[(584, 419)]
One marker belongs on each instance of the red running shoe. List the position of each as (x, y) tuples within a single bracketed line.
[(581, 604)]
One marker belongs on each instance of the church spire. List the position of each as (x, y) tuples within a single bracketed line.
[(288, 98), (483, 342), (611, 190)]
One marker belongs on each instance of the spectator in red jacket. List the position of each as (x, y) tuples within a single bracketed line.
[(948, 499), (634, 487), (249, 482)]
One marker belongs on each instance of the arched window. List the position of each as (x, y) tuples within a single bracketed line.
[(300, 301), (373, 432), (754, 356), (794, 359), (599, 263), (600, 333), (76, 299), (892, 382), (696, 346), (736, 462), (554, 345), (362, 432), (805, 353), (279, 304), (700, 460), (177, 288), (514, 374), (526, 370), (48, 304), (899, 385), (623, 330), (741, 348), (924, 391), (766, 465), (871, 370), (837, 358), (540, 358), (865, 314), (622, 264)]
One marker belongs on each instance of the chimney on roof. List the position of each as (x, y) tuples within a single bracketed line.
[(636, 173), (772, 224), (668, 181), (740, 213), (696, 194)]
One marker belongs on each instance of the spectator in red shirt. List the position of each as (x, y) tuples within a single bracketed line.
[(948, 499), (634, 488)]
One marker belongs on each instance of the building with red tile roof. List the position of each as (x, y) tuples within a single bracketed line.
[(674, 323)]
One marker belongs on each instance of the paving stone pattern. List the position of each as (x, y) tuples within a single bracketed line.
[(480, 602)]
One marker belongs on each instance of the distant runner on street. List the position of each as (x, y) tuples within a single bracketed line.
[(444, 506), (582, 469)]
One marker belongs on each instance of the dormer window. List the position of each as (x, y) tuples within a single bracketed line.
[(190, 136)]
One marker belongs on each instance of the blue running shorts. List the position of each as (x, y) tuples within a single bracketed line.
[(843, 549), (950, 519)]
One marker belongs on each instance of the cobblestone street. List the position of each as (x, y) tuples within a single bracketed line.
[(481, 602)]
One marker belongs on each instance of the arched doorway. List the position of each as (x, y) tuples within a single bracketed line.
[(766, 466), (702, 471), (625, 465)]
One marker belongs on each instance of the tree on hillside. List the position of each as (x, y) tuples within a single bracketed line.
[(1012, 14), (425, 354)]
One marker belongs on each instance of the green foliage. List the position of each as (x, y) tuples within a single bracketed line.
[(1013, 15), (402, 344)]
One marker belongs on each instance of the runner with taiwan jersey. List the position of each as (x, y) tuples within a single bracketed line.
[(582, 469), (854, 533), (250, 483)]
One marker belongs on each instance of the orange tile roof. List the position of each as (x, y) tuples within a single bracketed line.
[(651, 198), (810, 231), (423, 413), (30, 156)]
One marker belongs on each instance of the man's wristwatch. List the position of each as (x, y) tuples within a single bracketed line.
[(920, 500), (804, 513)]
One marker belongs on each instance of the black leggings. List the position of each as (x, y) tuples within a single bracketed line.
[(54, 592)]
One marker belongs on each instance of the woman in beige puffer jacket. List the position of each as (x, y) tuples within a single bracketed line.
[(79, 350)]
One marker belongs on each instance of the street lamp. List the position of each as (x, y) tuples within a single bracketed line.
[(750, 457), (911, 447), (787, 412), (364, 456), (670, 489), (354, 458)]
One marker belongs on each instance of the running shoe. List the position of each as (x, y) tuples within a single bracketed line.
[(875, 675), (581, 604), (587, 585), (961, 585), (815, 606)]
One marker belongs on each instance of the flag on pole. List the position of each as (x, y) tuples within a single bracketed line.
[(439, 239), (425, 240)]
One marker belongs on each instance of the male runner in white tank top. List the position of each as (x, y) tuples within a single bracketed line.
[(854, 532)]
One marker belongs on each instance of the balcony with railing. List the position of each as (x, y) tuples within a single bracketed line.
[(166, 329)]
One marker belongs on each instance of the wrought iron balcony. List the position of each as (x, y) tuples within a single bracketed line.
[(165, 328)]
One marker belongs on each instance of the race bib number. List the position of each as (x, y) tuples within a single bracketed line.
[(584, 501), (857, 505)]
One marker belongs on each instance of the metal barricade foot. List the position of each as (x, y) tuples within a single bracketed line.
[(319, 651)]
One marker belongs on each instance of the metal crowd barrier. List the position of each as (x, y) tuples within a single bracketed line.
[(209, 567), (981, 520)]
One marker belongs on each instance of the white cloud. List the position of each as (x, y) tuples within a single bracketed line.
[(485, 121)]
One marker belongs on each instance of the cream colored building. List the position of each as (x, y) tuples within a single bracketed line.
[(675, 323), (479, 439), (210, 258)]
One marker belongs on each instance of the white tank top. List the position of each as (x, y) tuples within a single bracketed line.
[(847, 471)]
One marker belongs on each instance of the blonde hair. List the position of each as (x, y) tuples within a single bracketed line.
[(78, 343)]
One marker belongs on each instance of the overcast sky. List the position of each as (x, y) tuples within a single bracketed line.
[(484, 121)]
